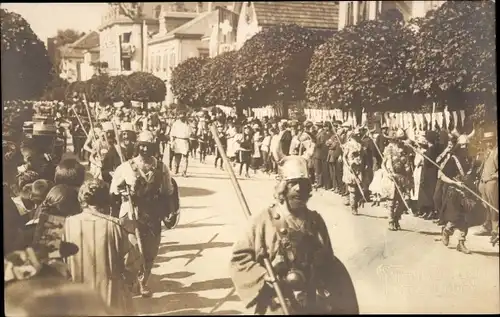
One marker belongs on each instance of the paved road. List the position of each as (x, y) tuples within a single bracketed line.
[(409, 271), (394, 272)]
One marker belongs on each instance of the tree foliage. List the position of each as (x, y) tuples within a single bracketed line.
[(363, 66), (146, 87), (118, 89), (184, 82), (96, 88), (218, 82), (272, 64), (456, 51), (24, 60), (56, 89)]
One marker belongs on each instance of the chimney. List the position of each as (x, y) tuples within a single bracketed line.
[(210, 6), (162, 23)]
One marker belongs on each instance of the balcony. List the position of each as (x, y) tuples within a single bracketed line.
[(128, 50)]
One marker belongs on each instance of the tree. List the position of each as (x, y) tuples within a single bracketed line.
[(96, 88), (146, 88), (218, 80), (455, 62), (24, 59), (363, 66), (135, 12), (184, 82), (64, 37), (118, 89), (56, 89), (272, 64)]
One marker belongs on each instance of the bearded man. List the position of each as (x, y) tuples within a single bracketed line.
[(296, 241), (151, 191)]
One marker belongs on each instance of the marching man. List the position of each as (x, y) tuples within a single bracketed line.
[(150, 186), (179, 135), (353, 170)]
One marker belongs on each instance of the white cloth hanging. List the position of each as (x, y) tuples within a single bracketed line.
[(462, 117), (455, 119)]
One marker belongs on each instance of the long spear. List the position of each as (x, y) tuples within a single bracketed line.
[(248, 214), (348, 166), (132, 210), (390, 175), (441, 170)]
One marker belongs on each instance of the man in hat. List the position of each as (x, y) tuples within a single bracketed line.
[(488, 187), (353, 170), (381, 140), (43, 141), (112, 158), (397, 165), (457, 202), (179, 135), (151, 192), (297, 241), (320, 156)]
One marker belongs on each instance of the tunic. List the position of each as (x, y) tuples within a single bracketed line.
[(180, 134), (248, 271), (353, 153), (106, 256), (488, 184)]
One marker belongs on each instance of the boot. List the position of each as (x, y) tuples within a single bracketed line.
[(354, 209), (462, 248), (494, 239), (392, 226), (445, 237), (396, 225)]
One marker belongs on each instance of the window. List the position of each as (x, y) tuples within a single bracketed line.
[(157, 11), (362, 11), (165, 61), (158, 62), (126, 37), (350, 13), (126, 64), (203, 54)]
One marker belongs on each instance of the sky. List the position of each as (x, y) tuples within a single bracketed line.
[(46, 18)]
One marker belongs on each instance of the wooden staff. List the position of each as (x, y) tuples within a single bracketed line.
[(132, 210), (390, 175), (248, 214), (441, 170)]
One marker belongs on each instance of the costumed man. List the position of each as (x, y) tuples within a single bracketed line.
[(152, 196), (397, 165), (104, 144), (296, 241), (285, 136), (112, 159), (43, 141), (488, 188), (353, 170), (457, 202), (179, 135)]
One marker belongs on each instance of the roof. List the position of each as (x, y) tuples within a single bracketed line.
[(68, 52), (196, 26), (87, 41), (308, 14)]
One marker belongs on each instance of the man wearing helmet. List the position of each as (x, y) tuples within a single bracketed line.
[(299, 247), (457, 202), (151, 190), (397, 162), (353, 169)]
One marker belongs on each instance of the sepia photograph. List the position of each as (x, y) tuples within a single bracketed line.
[(250, 158)]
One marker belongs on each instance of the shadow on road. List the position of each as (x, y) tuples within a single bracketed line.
[(371, 216), (486, 253), (185, 297), (429, 233), (164, 249), (199, 225), (194, 191)]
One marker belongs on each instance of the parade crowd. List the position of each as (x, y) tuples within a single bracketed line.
[(69, 224)]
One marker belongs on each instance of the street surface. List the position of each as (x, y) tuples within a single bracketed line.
[(409, 271)]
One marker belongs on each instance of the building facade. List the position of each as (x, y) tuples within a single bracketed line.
[(353, 12), (73, 64)]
